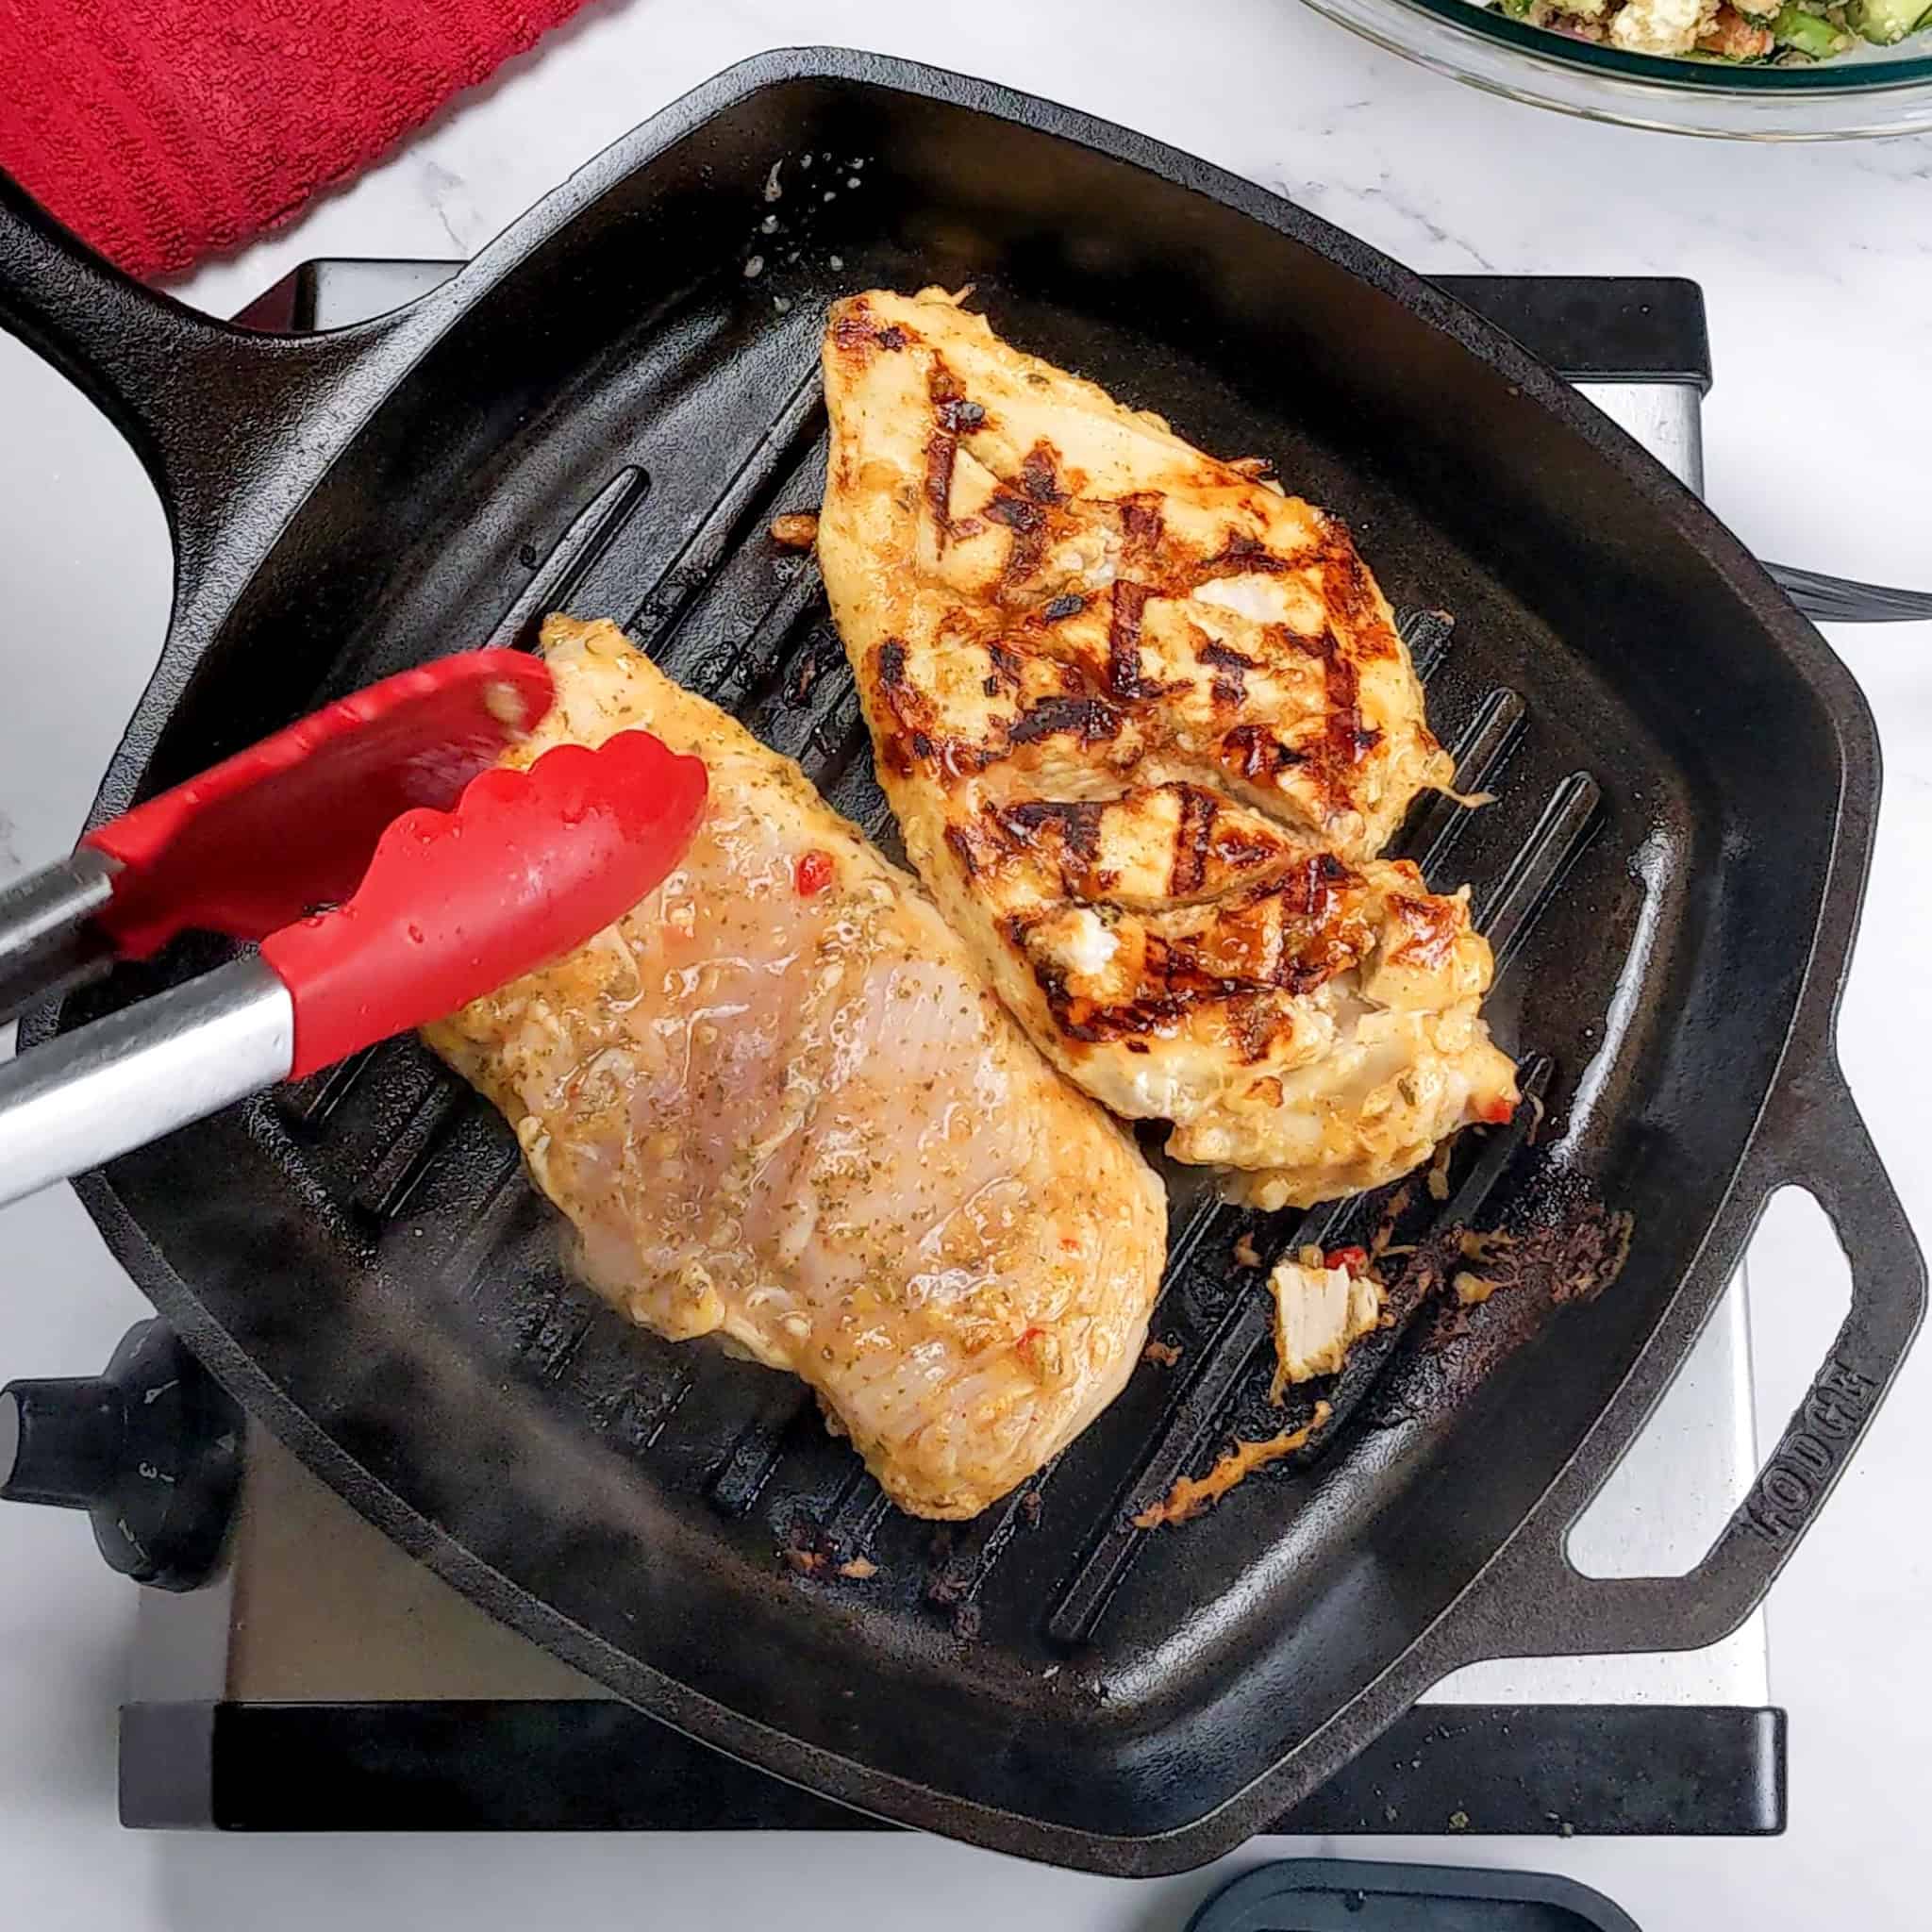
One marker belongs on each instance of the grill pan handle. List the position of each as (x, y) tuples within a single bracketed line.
[(1540, 1605), (232, 425)]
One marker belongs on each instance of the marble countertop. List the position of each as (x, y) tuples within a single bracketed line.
[(1816, 266)]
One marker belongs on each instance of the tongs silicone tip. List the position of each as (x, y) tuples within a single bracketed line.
[(290, 823), (438, 906), (455, 904)]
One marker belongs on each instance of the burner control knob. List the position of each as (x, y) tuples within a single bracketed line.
[(151, 1449)]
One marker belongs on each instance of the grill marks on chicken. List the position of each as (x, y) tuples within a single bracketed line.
[(1238, 631), (779, 1105), (1145, 721)]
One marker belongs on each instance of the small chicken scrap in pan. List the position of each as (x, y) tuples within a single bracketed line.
[(1324, 1304), (780, 1106), (1146, 722)]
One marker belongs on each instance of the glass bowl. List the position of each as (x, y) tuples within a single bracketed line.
[(1869, 91)]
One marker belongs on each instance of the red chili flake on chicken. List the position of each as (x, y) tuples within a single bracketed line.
[(1498, 1111), (1355, 1259), (814, 873)]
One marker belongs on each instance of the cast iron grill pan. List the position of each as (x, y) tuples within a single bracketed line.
[(602, 415)]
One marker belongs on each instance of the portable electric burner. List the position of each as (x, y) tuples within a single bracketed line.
[(300, 1671)]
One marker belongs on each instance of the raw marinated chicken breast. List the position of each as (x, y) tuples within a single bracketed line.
[(779, 1105), (1145, 721)]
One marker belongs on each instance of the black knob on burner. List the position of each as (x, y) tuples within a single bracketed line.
[(151, 1449)]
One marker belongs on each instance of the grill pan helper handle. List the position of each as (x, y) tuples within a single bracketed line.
[(527, 865), (1811, 1136)]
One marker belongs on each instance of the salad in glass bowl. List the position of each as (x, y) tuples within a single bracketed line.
[(1793, 33), (1764, 70)]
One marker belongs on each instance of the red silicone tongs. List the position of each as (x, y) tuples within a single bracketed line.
[(388, 872)]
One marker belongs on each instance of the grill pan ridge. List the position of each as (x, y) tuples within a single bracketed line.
[(601, 414)]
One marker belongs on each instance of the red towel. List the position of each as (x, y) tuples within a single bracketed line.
[(164, 130)]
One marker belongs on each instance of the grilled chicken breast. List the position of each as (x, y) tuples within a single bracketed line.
[(780, 1106), (1144, 722)]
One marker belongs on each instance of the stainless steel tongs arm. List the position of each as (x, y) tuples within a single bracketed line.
[(48, 941)]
